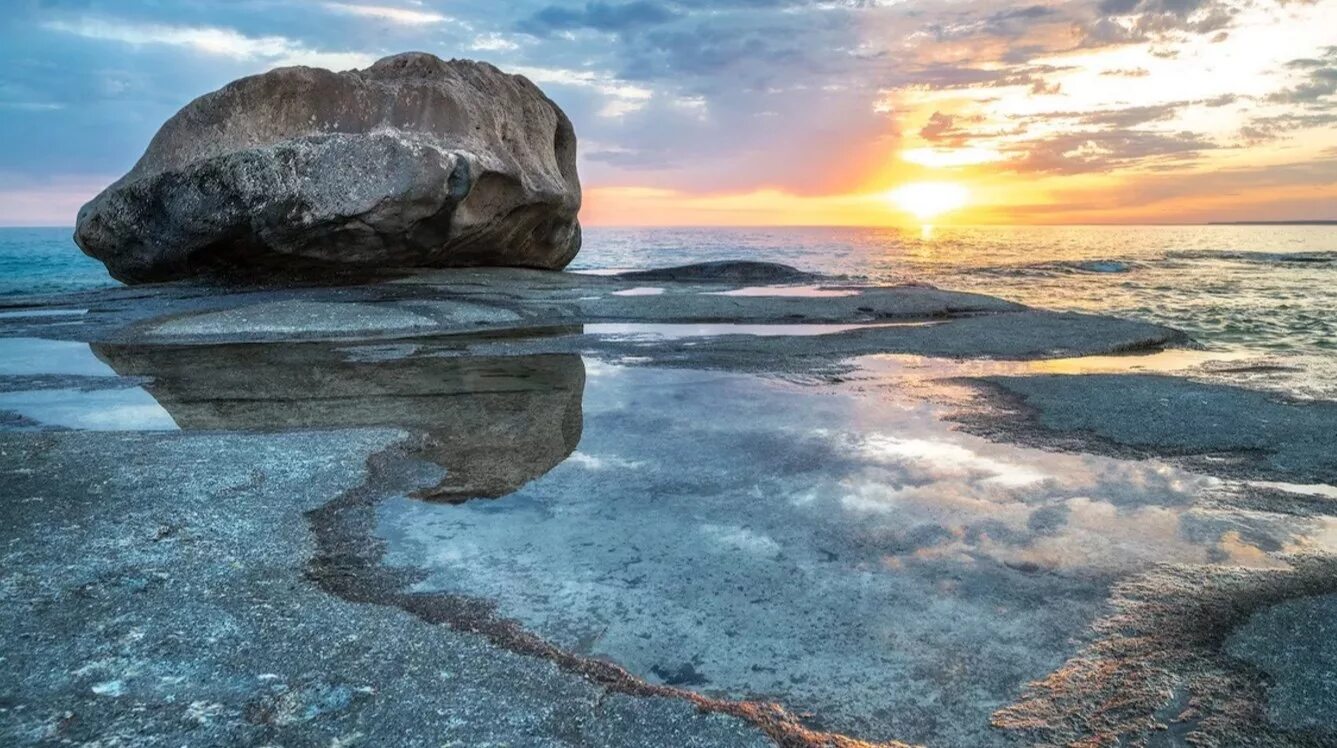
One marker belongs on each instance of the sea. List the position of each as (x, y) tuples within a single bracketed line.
[(1270, 291)]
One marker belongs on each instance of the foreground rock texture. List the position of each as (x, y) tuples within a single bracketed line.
[(214, 532), (413, 162)]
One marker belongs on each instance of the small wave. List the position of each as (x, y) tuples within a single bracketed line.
[(1064, 267), (1320, 258)]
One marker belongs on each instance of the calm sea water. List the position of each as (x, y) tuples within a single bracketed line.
[(45, 260), (1259, 288), (1262, 287)]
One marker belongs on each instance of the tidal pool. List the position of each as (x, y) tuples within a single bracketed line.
[(680, 330), (806, 292), (640, 291), (850, 556), (127, 409), (42, 357), (841, 550)]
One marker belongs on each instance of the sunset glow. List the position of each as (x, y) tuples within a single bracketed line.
[(750, 113), (927, 200)]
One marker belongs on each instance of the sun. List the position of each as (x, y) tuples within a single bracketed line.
[(927, 200)]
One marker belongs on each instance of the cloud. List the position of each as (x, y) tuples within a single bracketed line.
[(223, 42), (621, 97), (32, 106), (1261, 129), (1133, 21), (940, 77), (1087, 152), (944, 129), (492, 42), (46, 200), (1128, 117), (597, 16), (1126, 73), (1007, 23), (1318, 80), (387, 13)]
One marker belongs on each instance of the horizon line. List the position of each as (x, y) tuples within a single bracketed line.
[(911, 226)]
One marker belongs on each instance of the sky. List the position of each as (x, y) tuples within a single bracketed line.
[(756, 112)]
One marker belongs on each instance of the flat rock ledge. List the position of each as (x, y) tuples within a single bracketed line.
[(793, 321), (1213, 428)]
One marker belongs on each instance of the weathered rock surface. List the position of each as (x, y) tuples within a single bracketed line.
[(414, 161), (1294, 643), (1210, 427), (508, 305), (161, 604)]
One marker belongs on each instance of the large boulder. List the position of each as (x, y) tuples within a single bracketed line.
[(415, 161)]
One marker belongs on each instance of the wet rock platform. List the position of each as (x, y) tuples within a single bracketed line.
[(723, 505)]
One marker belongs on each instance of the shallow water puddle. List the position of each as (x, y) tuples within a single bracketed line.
[(91, 409), (129, 409), (893, 367), (846, 555), (493, 423), (640, 291), (1163, 361), (600, 271), (1306, 489), (805, 292), (676, 331), (39, 357)]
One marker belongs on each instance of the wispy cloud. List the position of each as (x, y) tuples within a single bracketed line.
[(622, 97), (209, 40), (492, 42), (389, 13), (596, 16), (32, 106)]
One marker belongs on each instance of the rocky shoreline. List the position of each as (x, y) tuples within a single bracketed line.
[(372, 513)]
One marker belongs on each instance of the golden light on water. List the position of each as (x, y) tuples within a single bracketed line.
[(927, 200)]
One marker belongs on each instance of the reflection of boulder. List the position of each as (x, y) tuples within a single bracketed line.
[(495, 423)]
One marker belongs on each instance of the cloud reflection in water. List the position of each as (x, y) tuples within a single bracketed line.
[(847, 554)]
